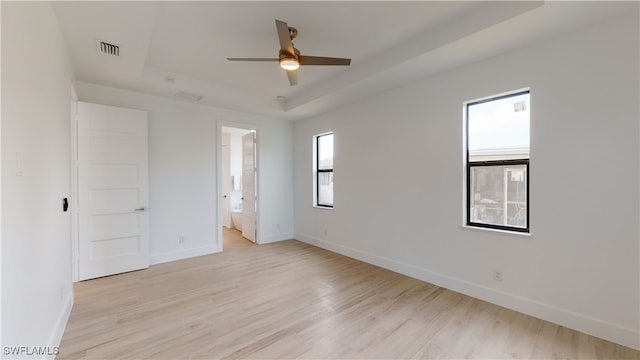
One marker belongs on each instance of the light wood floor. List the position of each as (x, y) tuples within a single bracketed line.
[(293, 300)]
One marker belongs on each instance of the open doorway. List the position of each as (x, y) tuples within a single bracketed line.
[(238, 179)]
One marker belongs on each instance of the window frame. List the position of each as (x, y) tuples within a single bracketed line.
[(469, 165), (318, 171)]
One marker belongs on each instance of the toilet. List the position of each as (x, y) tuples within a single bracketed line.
[(236, 219)]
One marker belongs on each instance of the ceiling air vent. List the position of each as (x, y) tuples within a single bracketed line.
[(109, 49), (188, 96)]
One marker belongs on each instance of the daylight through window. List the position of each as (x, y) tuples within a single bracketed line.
[(324, 170), (498, 162)]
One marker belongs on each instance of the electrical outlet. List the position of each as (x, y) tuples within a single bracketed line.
[(278, 226), (180, 239), (325, 232), (497, 275)]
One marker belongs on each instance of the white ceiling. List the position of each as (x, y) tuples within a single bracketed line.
[(168, 47)]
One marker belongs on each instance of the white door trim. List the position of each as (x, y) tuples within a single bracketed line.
[(73, 201), (220, 124)]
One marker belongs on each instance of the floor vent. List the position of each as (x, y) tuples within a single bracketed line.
[(109, 49), (188, 96)]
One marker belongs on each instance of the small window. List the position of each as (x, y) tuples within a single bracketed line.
[(324, 170), (498, 162)]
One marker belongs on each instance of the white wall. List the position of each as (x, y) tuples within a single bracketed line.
[(399, 182), (36, 246), (183, 176)]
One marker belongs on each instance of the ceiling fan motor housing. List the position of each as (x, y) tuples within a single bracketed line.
[(284, 54)]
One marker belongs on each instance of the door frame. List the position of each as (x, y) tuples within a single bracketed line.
[(73, 201), (219, 194)]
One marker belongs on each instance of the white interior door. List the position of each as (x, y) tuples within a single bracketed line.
[(249, 186), (112, 190), (226, 180)]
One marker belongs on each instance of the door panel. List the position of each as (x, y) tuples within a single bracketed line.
[(110, 175), (248, 187), (113, 190), (226, 180), (115, 225), (113, 248)]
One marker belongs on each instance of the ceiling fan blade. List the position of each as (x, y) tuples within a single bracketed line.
[(320, 60), (252, 59), (293, 77), (284, 37)]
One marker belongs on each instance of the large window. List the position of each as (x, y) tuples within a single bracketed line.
[(324, 170), (498, 162)]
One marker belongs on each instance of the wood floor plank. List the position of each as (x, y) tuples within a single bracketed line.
[(293, 300)]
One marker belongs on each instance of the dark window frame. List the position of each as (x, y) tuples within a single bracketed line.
[(470, 165), (319, 171)]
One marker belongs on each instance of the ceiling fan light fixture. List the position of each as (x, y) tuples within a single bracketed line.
[(289, 63)]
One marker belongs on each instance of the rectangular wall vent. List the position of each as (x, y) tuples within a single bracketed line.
[(109, 49), (188, 96)]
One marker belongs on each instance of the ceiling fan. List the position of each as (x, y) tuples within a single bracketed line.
[(290, 58)]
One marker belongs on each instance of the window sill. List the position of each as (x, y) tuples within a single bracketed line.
[(499, 231), (323, 207)]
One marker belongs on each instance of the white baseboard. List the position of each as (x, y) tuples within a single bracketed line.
[(61, 325), (269, 238), (580, 322), (182, 254)]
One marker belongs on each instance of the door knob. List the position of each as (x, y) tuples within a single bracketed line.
[(225, 196), (140, 209)]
